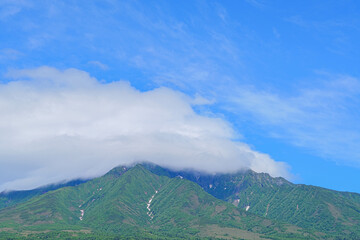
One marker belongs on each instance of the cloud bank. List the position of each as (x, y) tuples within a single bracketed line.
[(58, 125)]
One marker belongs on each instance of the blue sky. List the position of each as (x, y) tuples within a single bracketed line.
[(283, 74)]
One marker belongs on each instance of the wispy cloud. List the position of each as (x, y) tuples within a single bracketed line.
[(322, 119), (9, 11), (10, 8), (333, 32), (256, 3), (9, 54), (99, 64)]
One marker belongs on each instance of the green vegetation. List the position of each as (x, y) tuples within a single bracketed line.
[(137, 203), (8, 199), (320, 210), (115, 205)]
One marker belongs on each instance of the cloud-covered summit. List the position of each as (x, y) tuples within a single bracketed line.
[(58, 125)]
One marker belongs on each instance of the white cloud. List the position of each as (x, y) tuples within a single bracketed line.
[(59, 125)]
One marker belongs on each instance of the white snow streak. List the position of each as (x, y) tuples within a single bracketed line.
[(267, 209), (149, 213), (82, 214)]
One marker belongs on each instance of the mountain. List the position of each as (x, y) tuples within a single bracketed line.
[(136, 203), (323, 210), (14, 197)]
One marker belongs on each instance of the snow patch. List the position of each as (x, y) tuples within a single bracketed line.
[(236, 202), (82, 214), (149, 213), (267, 209)]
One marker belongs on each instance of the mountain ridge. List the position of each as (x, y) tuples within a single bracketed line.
[(130, 196), (305, 206), (136, 202)]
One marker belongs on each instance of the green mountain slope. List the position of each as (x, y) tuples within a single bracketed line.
[(323, 210), (14, 197), (136, 203)]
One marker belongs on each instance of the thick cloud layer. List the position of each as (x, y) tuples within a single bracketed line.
[(58, 125)]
